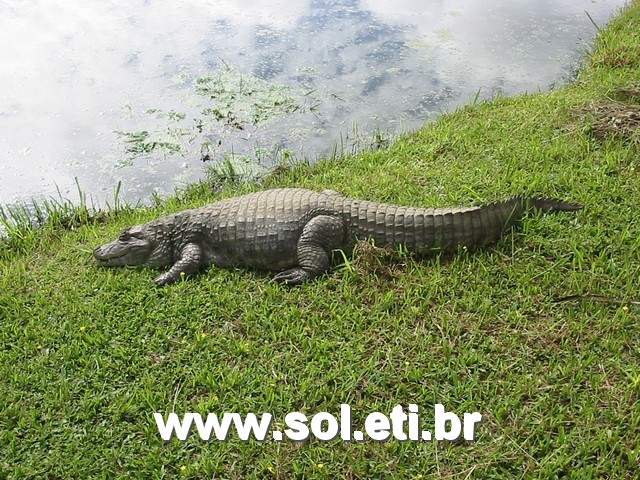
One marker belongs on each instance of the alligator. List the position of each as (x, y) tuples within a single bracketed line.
[(294, 231)]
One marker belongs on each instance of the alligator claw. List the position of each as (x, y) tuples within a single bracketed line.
[(163, 280), (292, 277)]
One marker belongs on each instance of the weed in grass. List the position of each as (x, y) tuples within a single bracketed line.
[(614, 120)]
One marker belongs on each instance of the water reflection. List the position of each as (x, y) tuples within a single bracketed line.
[(72, 73)]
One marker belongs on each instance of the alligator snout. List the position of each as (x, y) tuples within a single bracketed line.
[(105, 256)]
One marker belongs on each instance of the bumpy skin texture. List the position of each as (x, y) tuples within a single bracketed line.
[(294, 231)]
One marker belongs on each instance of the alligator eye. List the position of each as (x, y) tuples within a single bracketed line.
[(138, 235), (124, 236)]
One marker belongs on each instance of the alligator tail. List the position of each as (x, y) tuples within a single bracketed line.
[(425, 229), (553, 205)]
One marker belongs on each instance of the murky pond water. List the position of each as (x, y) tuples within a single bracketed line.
[(148, 92)]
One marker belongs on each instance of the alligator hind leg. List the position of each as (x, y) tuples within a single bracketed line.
[(319, 237)]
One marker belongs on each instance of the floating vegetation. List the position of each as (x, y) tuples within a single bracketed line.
[(138, 144), (243, 100), (171, 114), (234, 102)]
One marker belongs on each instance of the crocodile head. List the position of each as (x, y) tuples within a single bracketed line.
[(135, 246)]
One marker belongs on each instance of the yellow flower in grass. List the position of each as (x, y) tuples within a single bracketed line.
[(83, 328), (183, 468)]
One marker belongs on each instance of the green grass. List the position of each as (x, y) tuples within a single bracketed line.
[(89, 354)]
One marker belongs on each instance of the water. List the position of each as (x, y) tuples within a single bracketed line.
[(289, 79)]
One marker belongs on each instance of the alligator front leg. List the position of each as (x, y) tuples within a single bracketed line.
[(319, 237), (189, 262)]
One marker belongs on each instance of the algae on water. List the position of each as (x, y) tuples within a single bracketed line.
[(230, 102)]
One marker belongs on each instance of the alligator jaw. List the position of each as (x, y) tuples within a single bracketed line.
[(104, 259)]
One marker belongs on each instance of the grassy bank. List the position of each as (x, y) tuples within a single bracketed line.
[(89, 354)]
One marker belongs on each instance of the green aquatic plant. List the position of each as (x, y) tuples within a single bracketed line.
[(233, 102)]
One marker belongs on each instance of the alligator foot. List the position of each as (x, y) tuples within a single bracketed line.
[(319, 237), (293, 276)]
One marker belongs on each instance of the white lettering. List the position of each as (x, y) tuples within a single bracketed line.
[(441, 419), (470, 420), (377, 426), (332, 426), (173, 424), (297, 423), (398, 417)]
